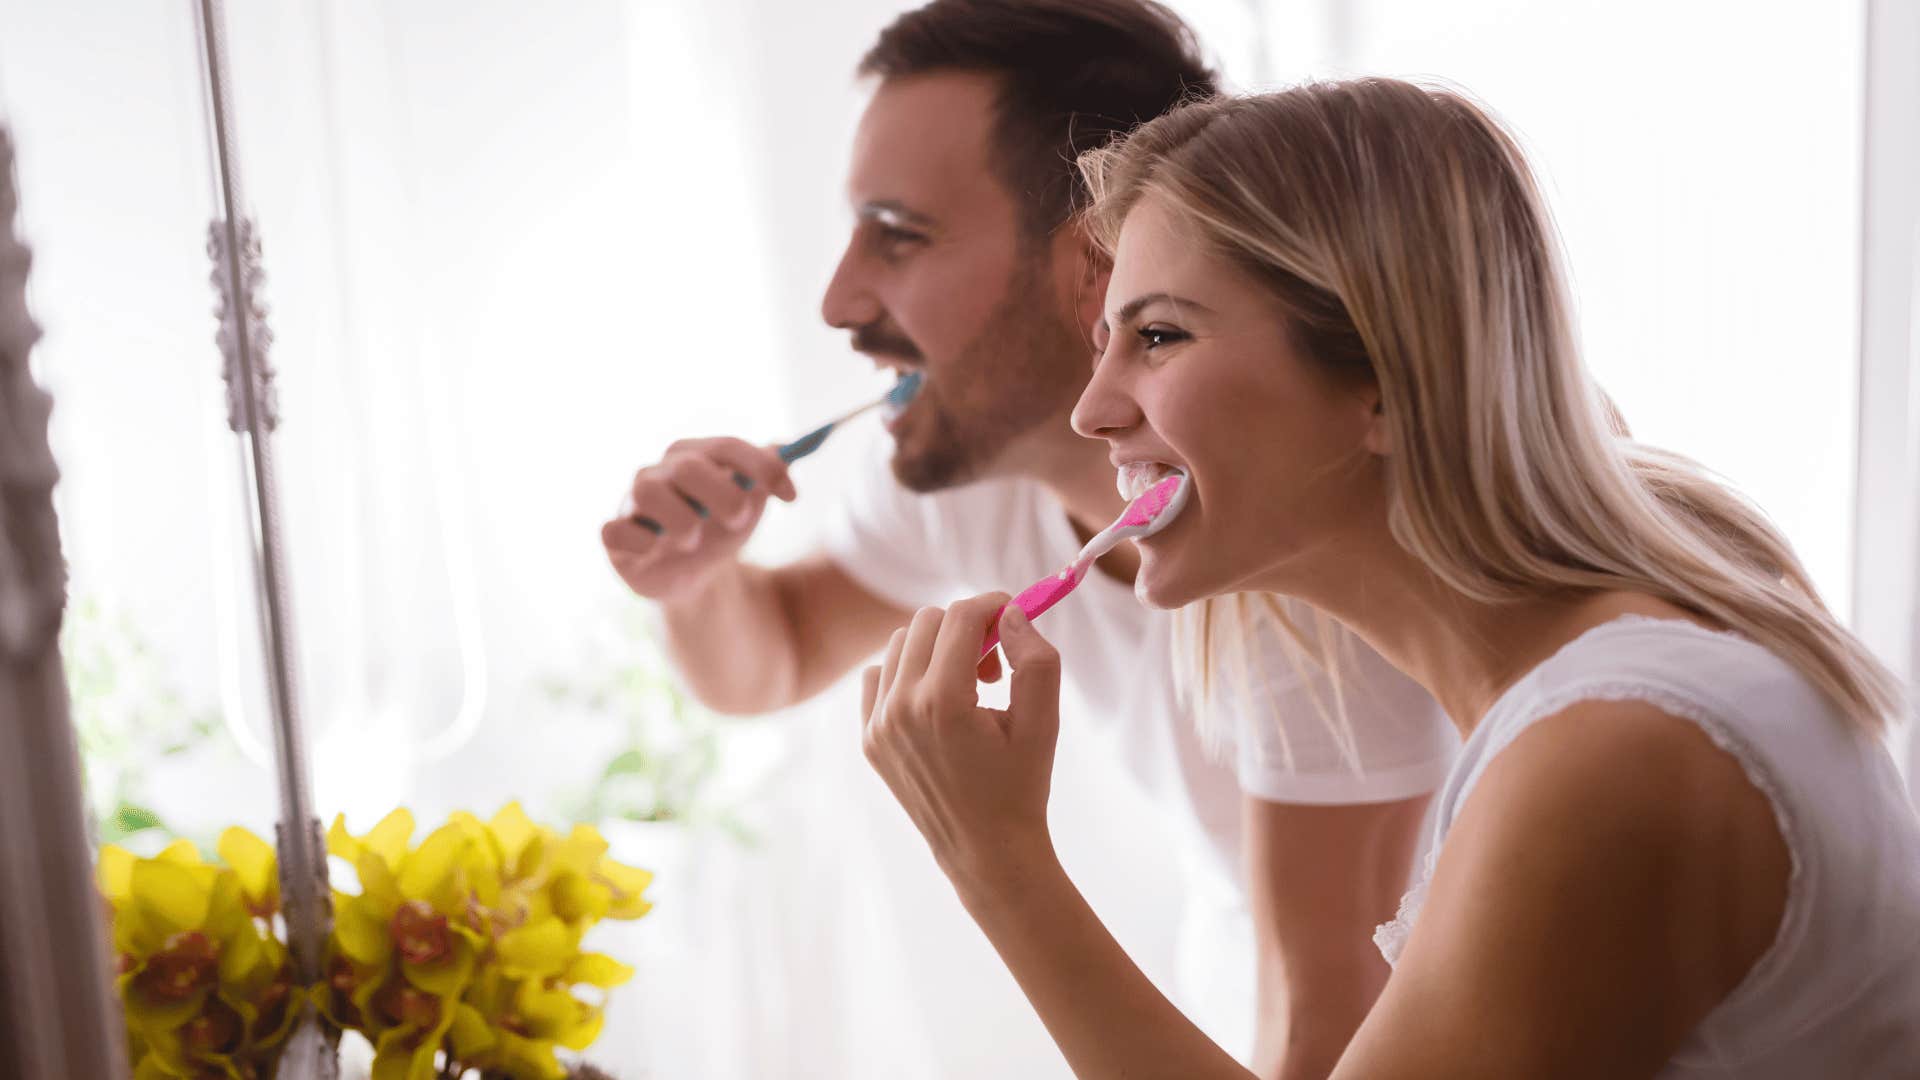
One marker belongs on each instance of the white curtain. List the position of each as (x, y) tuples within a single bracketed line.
[(1887, 517)]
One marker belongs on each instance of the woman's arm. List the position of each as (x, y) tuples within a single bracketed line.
[(975, 782), (1108, 1019), (1320, 878), (1613, 877)]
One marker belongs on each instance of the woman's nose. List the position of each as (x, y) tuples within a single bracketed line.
[(1107, 406)]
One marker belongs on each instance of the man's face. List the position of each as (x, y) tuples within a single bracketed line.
[(940, 277)]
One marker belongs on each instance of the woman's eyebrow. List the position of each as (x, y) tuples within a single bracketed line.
[(1133, 307)]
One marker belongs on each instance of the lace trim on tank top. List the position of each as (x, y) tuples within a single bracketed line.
[(1391, 937)]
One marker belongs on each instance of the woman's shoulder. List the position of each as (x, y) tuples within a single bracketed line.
[(1633, 823), (1675, 664)]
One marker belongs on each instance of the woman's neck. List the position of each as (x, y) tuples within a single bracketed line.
[(1466, 652)]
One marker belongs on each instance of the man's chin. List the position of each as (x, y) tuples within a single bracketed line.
[(928, 457), (924, 473)]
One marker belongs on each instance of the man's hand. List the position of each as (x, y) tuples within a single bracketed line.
[(690, 514)]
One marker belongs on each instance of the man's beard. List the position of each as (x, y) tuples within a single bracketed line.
[(1015, 375)]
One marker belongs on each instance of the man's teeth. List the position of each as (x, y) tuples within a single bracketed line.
[(1135, 478)]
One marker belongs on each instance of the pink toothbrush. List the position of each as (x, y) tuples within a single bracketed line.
[(1143, 517)]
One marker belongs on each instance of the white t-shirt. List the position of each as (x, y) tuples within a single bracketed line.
[(1116, 660), (1838, 993)]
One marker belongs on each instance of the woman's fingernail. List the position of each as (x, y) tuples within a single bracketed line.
[(1014, 617)]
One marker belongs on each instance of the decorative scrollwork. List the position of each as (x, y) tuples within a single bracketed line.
[(32, 573), (229, 309)]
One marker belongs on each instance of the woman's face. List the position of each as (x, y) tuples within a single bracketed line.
[(1197, 370)]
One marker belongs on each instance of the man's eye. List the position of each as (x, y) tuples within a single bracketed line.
[(892, 238)]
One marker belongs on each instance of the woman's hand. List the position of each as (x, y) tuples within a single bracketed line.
[(975, 781)]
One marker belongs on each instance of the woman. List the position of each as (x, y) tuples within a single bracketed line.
[(1673, 845)]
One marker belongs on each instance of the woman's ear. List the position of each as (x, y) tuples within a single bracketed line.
[(1378, 438)]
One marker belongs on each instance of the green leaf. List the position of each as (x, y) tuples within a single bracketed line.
[(133, 819), (633, 761)]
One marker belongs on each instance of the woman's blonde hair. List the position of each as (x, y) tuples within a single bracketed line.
[(1402, 230)]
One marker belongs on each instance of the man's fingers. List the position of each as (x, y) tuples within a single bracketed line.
[(711, 490), (625, 536), (762, 467), (664, 505)]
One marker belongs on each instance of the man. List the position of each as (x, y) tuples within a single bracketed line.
[(964, 266)]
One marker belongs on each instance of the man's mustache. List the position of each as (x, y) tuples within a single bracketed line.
[(875, 342)]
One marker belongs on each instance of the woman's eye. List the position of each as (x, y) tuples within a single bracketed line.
[(1155, 336)]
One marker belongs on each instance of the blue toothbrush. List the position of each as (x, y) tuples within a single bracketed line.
[(902, 392), (897, 397)]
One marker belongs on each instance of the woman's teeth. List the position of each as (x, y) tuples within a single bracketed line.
[(1134, 478)]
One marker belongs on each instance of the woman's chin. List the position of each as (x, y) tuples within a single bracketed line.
[(1154, 587)]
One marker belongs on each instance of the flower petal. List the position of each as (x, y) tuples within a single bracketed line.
[(538, 949), (253, 859), (580, 1034), (182, 852), (243, 960), (597, 969), (577, 898), (377, 883), (341, 842), (469, 1033), (172, 896), (403, 1054), (227, 914), (115, 872), (514, 831), (429, 873), (360, 929), (389, 838)]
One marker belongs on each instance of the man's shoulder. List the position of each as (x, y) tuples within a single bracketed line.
[(976, 536)]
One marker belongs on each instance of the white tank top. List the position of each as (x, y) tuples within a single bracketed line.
[(1838, 993)]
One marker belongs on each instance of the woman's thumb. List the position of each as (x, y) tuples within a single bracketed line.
[(1034, 693)]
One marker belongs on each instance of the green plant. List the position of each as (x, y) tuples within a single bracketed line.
[(126, 714), (666, 766)]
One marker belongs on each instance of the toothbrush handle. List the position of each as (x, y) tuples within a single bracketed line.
[(1034, 599), (806, 444)]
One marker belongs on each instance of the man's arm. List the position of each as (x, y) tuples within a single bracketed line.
[(746, 639), (752, 639), (1321, 878)]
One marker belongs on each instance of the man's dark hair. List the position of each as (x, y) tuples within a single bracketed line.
[(1073, 74)]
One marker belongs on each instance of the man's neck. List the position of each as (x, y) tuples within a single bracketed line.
[(1077, 472)]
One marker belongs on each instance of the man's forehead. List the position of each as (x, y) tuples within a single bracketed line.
[(924, 144)]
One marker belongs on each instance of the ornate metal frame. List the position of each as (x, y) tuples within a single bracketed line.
[(57, 1016), (253, 413)]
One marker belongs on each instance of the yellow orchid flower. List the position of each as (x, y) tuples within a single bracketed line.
[(205, 987), (468, 945), (407, 944), (258, 867)]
